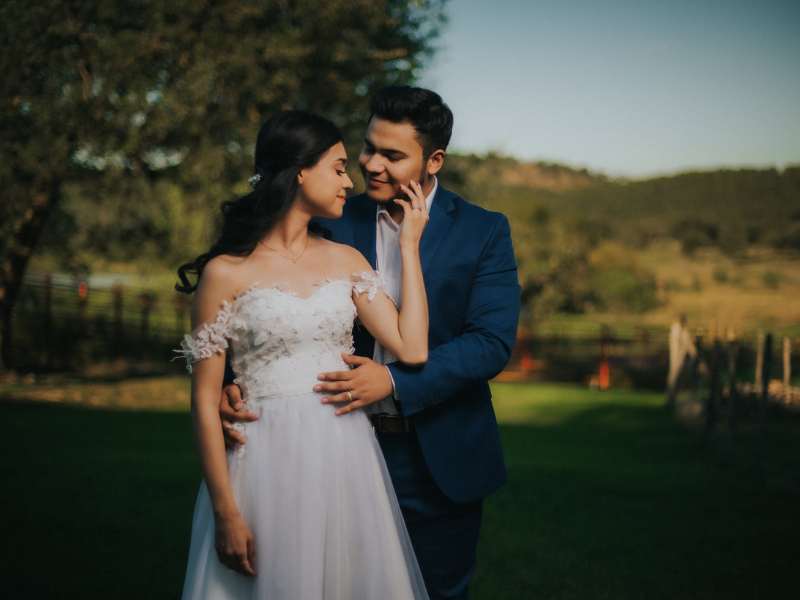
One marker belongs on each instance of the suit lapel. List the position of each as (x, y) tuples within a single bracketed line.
[(439, 223), (364, 230)]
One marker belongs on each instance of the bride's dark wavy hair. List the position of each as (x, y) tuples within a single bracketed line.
[(288, 142)]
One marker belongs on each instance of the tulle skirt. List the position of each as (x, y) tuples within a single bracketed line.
[(315, 491)]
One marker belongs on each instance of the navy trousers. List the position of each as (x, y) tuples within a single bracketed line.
[(444, 533)]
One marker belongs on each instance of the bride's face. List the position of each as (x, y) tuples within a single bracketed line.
[(323, 187)]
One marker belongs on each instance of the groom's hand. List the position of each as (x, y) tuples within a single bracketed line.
[(367, 382), (232, 410)]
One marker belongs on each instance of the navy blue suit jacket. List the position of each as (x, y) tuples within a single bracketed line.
[(473, 298)]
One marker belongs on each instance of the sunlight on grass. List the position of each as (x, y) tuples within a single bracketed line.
[(607, 496), (551, 404), (141, 393)]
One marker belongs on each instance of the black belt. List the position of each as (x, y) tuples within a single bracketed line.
[(385, 423)]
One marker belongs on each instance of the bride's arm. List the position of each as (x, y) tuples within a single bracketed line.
[(403, 333), (234, 541)]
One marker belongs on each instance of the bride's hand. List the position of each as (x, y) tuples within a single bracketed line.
[(235, 544), (415, 215)]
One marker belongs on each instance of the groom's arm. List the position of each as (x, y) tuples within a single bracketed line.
[(483, 348), (232, 409), (229, 374)]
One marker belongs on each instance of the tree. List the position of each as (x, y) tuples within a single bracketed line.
[(117, 96)]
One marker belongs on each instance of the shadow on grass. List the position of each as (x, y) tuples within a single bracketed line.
[(613, 502), (98, 502), (622, 502)]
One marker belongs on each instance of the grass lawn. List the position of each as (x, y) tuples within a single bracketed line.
[(608, 498)]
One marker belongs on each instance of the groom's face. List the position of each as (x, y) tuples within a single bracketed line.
[(391, 155)]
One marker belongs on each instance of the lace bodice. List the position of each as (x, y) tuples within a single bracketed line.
[(279, 341)]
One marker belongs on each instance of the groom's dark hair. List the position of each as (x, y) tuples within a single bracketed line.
[(424, 109)]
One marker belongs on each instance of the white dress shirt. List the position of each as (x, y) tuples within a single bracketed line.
[(390, 265)]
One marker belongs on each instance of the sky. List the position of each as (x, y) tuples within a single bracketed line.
[(622, 87)]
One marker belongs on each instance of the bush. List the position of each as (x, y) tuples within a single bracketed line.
[(672, 285), (621, 289), (771, 279), (789, 239), (618, 282), (694, 234), (720, 275)]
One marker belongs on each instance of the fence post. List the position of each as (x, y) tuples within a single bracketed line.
[(733, 394), (766, 366), (48, 319), (604, 367), (759, 359), (713, 399), (787, 370), (83, 301), (118, 305), (762, 404), (147, 300), (181, 306), (694, 373)]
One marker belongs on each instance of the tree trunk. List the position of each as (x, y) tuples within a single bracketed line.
[(15, 261)]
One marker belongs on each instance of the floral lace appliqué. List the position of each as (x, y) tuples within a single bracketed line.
[(368, 281), (278, 341), (209, 338)]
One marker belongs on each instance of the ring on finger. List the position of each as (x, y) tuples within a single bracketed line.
[(350, 396)]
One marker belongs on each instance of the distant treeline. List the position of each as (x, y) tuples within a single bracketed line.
[(574, 230), (728, 209)]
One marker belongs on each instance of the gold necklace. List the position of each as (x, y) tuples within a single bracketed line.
[(292, 258)]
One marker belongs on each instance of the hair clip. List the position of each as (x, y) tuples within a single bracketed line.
[(255, 179)]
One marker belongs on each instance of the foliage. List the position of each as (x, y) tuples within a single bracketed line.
[(694, 234), (771, 279), (557, 222), (142, 114), (619, 282)]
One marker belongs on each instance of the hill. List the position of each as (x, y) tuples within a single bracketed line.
[(719, 245), (591, 249)]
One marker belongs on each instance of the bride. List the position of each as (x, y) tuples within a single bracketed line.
[(307, 509)]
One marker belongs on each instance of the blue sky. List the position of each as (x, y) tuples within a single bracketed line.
[(627, 88)]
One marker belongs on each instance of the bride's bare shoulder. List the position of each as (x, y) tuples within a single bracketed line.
[(350, 258), (223, 266), (224, 274)]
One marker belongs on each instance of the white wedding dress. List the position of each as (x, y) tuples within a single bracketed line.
[(312, 486)]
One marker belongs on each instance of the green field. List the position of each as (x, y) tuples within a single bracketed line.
[(608, 498)]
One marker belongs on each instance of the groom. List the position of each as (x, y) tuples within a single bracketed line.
[(435, 423)]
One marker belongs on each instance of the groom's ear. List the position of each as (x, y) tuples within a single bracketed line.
[(435, 162)]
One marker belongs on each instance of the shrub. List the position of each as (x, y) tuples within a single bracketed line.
[(720, 275), (694, 234), (618, 288), (771, 279)]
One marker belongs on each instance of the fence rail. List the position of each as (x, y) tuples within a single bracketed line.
[(63, 323)]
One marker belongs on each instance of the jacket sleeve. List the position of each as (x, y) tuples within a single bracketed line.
[(230, 375), (483, 347)]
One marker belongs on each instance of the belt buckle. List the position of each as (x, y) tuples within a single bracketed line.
[(379, 422)]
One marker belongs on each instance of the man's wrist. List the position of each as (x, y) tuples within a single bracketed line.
[(391, 379)]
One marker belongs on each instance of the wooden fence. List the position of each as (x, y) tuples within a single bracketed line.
[(59, 323), (745, 411), (62, 323)]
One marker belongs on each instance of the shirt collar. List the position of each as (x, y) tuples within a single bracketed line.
[(428, 199)]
